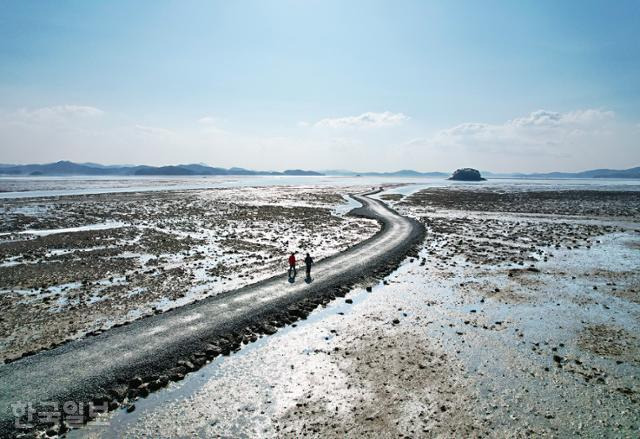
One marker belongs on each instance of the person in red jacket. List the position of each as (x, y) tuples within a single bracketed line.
[(292, 265)]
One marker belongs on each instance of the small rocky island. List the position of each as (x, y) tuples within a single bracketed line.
[(467, 174)]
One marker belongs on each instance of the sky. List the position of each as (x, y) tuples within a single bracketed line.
[(502, 86)]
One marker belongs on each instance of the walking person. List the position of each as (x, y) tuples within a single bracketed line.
[(308, 261), (292, 266)]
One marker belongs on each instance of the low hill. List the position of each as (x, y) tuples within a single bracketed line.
[(594, 173), (67, 168)]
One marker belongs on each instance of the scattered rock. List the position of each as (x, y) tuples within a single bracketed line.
[(269, 330), (135, 382), (188, 365)]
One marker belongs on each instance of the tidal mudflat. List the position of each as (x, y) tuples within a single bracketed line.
[(73, 265), (520, 317)]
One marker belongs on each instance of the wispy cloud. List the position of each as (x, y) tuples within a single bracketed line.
[(211, 125), (154, 131), (543, 118), (45, 114), (539, 141), (541, 131), (365, 120), (207, 120)]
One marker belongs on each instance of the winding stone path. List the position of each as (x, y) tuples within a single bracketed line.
[(91, 366)]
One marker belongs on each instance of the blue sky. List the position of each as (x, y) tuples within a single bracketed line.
[(503, 86)]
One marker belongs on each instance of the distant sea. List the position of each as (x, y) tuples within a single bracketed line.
[(25, 187)]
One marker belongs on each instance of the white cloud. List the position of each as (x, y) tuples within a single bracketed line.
[(365, 120), (211, 125), (540, 141), (58, 112), (541, 132), (207, 120), (154, 131), (553, 119)]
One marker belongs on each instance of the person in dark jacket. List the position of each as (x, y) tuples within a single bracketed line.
[(292, 265), (308, 261)]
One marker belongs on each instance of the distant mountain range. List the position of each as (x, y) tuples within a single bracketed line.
[(594, 173), (67, 168), (401, 173)]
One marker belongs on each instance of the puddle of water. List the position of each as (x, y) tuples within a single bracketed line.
[(58, 289), (134, 314), (116, 280), (50, 291), (95, 299), (136, 291), (11, 261), (60, 252), (45, 232), (345, 208)]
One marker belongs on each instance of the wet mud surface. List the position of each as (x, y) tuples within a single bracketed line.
[(554, 202), (127, 363), (517, 321), (81, 264)]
